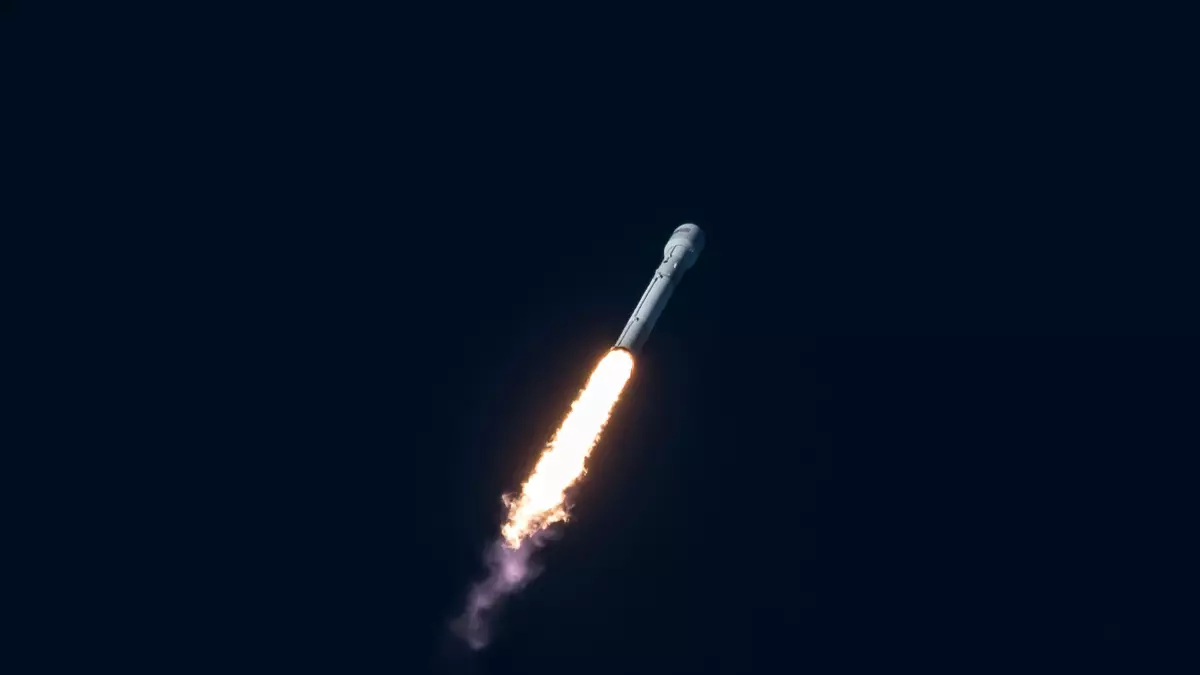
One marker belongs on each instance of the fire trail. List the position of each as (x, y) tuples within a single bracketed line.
[(541, 502)]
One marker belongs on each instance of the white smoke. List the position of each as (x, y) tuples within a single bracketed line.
[(509, 570)]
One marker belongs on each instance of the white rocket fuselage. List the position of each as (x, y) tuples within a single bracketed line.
[(680, 253)]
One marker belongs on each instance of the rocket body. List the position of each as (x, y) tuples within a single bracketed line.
[(680, 253)]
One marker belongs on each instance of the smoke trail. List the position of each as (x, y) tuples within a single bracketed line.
[(542, 501), (509, 569)]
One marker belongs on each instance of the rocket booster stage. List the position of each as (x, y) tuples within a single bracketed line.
[(681, 252)]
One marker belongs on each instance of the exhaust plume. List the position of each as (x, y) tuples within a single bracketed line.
[(542, 500)]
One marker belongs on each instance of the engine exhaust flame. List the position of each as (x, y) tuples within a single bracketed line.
[(542, 500)]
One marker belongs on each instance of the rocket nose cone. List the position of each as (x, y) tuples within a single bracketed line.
[(697, 235), (687, 235)]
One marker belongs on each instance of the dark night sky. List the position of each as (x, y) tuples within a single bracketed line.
[(383, 262)]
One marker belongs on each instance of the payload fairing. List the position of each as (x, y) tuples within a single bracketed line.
[(680, 253)]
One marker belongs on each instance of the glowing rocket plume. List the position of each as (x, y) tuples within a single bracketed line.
[(541, 500)]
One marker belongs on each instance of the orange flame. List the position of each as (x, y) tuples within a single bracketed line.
[(541, 501)]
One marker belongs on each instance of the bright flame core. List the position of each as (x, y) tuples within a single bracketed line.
[(541, 500)]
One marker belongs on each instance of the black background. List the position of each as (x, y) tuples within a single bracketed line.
[(352, 269)]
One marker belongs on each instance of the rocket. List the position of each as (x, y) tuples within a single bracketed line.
[(680, 253)]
